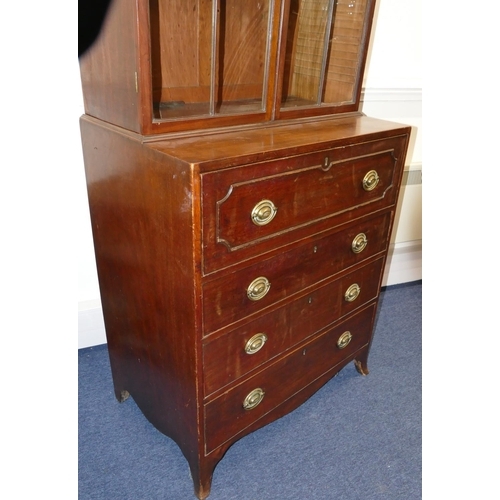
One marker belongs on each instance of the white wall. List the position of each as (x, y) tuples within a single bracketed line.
[(393, 91)]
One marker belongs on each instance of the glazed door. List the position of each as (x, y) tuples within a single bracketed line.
[(325, 54), (210, 58)]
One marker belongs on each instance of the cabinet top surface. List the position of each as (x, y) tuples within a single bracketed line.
[(295, 138)]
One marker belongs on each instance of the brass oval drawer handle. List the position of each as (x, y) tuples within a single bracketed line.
[(352, 293), (253, 399), (263, 213), (256, 343), (344, 340), (258, 288), (359, 243), (370, 180)]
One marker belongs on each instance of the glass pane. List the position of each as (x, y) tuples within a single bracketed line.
[(181, 53), (242, 58), (208, 56), (347, 43), (323, 54)]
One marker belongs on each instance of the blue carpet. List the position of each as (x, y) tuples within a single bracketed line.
[(357, 438)]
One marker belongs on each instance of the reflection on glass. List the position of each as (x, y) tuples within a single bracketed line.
[(242, 56), (323, 52)]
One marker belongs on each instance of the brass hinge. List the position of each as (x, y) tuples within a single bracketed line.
[(136, 83)]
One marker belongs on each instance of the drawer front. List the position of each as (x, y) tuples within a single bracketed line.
[(226, 415), (234, 354), (247, 207), (241, 294)]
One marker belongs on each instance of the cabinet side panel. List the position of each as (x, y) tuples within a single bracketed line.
[(108, 69), (142, 221)]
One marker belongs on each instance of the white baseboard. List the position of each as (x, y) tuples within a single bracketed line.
[(404, 264), (91, 329)]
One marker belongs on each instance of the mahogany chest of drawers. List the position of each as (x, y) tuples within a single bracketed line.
[(241, 207), (239, 269)]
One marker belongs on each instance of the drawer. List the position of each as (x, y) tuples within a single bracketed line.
[(226, 415), (248, 291), (228, 357), (249, 209)]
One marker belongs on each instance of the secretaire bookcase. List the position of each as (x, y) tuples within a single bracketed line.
[(241, 207)]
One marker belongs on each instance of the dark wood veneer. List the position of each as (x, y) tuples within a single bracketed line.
[(225, 298), (150, 225), (225, 416), (224, 356)]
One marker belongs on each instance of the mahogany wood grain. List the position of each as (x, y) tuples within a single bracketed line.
[(226, 148), (225, 299), (166, 319), (244, 31), (211, 459), (226, 416), (301, 196), (224, 357), (146, 252), (180, 49), (108, 69), (308, 200)]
